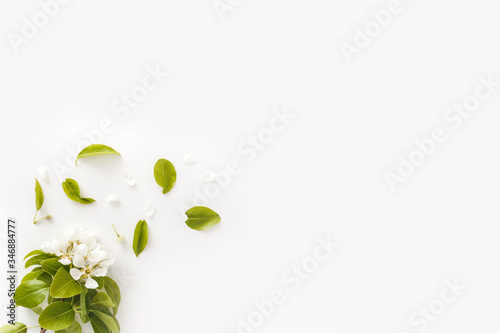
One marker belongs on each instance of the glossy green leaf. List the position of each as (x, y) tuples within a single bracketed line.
[(37, 259), (72, 190), (165, 174), (97, 324), (99, 281), (113, 292), (202, 218), (102, 300), (39, 195), (95, 150), (57, 316), (74, 328), (16, 328), (84, 305), (31, 293), (45, 277), (37, 310), (140, 237), (33, 253), (108, 320), (51, 266), (64, 286), (31, 275)]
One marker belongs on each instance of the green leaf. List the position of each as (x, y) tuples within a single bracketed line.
[(94, 150), (31, 275), (57, 316), (84, 306), (99, 281), (16, 328), (113, 292), (74, 328), (64, 286), (37, 259), (51, 266), (202, 218), (37, 310), (45, 277), (140, 237), (32, 293), (72, 190), (39, 195), (165, 174), (102, 300), (107, 320), (97, 324), (35, 252)]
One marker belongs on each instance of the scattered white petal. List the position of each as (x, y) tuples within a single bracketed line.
[(129, 178), (76, 273), (44, 174), (120, 239), (150, 208), (113, 198), (190, 159), (91, 283), (208, 177)]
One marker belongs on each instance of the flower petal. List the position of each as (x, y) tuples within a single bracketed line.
[(91, 283), (76, 273), (100, 271), (65, 261), (79, 261)]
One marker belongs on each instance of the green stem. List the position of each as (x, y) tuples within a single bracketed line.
[(48, 217), (117, 234), (34, 219)]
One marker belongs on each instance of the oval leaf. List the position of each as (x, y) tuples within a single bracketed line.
[(97, 324), (102, 300), (74, 328), (32, 275), (140, 237), (108, 321), (202, 218), (95, 150), (51, 266), (165, 174), (31, 293), (64, 286), (72, 190), (57, 316), (39, 195), (33, 253), (16, 328), (113, 292)]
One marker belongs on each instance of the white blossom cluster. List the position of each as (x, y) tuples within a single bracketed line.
[(81, 251)]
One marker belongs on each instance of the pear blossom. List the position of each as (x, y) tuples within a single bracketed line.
[(80, 250)]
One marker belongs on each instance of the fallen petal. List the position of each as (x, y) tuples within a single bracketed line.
[(113, 198), (190, 159), (208, 177), (150, 208), (44, 174)]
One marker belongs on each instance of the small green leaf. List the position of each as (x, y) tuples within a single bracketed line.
[(74, 328), (113, 292), (31, 293), (37, 310), (72, 190), (202, 218), (165, 174), (39, 195), (97, 324), (51, 266), (64, 286), (31, 275), (35, 252), (45, 277), (140, 237), (16, 328), (94, 150), (57, 316), (83, 304), (37, 260), (107, 320), (102, 300)]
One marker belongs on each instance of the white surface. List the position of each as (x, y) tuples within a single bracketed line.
[(323, 175)]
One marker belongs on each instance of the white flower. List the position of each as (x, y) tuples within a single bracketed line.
[(80, 249), (91, 283)]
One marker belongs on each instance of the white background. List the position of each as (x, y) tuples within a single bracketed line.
[(323, 175)]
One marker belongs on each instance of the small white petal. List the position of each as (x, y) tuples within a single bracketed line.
[(108, 262), (65, 261), (208, 177), (79, 261), (150, 208), (190, 159), (44, 174), (76, 273), (113, 198), (100, 271), (129, 178), (120, 239), (91, 283)]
